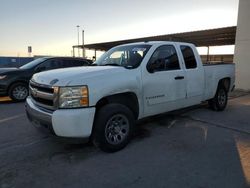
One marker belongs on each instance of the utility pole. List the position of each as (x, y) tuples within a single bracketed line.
[(73, 51), (208, 54), (83, 49), (78, 40)]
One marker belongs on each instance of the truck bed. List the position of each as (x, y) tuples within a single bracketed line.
[(211, 63), (214, 72)]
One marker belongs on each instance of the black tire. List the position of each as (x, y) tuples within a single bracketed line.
[(22, 88), (219, 102), (105, 133)]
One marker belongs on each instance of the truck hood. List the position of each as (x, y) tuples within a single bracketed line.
[(64, 77)]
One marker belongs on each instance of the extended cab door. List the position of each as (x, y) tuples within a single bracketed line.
[(194, 74), (164, 82)]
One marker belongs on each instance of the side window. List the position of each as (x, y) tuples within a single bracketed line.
[(67, 63), (73, 63), (163, 59), (83, 63), (77, 63), (50, 64), (189, 57)]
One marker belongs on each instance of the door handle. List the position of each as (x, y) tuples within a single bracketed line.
[(179, 78)]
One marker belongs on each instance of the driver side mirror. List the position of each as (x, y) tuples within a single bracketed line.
[(151, 67)]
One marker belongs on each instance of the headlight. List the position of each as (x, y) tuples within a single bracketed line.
[(2, 77), (73, 97)]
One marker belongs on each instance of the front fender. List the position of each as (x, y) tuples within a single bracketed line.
[(116, 84)]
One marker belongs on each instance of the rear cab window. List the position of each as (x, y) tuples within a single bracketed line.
[(188, 56)]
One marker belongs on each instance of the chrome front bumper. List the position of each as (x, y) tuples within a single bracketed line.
[(39, 118), (74, 123)]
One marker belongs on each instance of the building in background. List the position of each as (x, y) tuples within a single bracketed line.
[(242, 46)]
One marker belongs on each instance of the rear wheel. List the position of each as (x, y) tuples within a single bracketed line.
[(219, 102), (113, 127), (18, 92)]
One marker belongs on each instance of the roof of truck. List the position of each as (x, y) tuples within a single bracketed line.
[(154, 42)]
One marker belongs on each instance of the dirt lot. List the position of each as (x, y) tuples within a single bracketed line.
[(195, 147)]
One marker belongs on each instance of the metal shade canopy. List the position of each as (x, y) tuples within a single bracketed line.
[(210, 37)]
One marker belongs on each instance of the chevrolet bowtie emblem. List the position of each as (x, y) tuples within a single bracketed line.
[(52, 82)]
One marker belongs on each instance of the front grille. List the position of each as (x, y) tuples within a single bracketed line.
[(44, 101), (42, 95), (43, 89)]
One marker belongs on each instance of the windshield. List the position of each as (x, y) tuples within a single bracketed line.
[(129, 56), (33, 63)]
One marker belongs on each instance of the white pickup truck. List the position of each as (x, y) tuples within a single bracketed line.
[(129, 82)]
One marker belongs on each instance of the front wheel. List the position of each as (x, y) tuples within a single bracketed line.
[(113, 127), (18, 92), (219, 102)]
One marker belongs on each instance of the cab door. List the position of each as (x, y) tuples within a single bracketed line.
[(194, 74), (164, 81)]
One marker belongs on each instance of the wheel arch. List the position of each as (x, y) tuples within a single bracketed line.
[(225, 82), (129, 99), (15, 82)]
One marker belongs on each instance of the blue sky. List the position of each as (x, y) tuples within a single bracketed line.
[(49, 26)]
